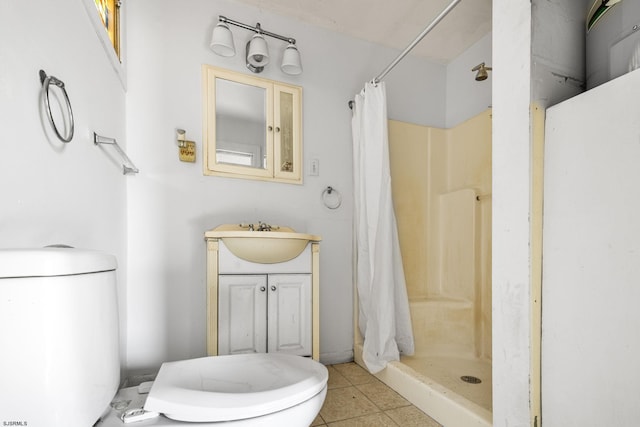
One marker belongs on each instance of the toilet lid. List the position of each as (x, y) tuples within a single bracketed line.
[(233, 387)]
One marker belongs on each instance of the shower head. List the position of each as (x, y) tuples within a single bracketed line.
[(482, 71)]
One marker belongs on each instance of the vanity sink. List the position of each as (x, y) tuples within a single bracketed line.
[(250, 243)]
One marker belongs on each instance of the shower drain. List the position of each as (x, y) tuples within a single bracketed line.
[(470, 379)]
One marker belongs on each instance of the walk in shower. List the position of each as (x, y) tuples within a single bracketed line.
[(441, 190), (441, 185)]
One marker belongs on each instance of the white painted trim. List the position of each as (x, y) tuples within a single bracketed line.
[(334, 358)]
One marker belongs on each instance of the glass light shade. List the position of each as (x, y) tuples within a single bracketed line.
[(222, 40), (482, 74), (258, 54), (291, 60)]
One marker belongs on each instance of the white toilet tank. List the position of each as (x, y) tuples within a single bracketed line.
[(59, 357)]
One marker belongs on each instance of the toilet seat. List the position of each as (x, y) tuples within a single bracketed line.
[(234, 387)]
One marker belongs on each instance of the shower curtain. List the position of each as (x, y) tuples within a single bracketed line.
[(384, 317)]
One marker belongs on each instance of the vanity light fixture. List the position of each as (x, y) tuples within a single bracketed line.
[(257, 51)]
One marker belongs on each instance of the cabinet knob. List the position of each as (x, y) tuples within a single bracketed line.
[(277, 128), (262, 289), (273, 288), (270, 128)]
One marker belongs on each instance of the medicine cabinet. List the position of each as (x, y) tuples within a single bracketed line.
[(252, 127)]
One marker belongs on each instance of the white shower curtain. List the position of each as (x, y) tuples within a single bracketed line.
[(384, 317)]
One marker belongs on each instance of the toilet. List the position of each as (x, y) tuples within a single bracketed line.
[(60, 359)]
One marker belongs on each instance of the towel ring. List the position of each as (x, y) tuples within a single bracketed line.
[(331, 198), (46, 81)]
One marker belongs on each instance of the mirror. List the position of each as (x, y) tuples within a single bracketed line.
[(241, 118), (252, 127)]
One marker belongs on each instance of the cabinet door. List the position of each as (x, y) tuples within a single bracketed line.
[(287, 136), (242, 314), (289, 313), (239, 124)]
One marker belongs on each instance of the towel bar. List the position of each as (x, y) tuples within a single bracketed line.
[(127, 165)]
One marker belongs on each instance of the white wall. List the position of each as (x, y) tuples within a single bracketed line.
[(511, 212), (171, 203), (467, 97), (558, 50), (538, 56), (591, 237), (416, 89), (54, 192)]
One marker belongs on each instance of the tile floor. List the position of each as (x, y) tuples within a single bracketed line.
[(355, 398)]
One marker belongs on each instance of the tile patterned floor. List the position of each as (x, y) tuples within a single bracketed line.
[(355, 398)]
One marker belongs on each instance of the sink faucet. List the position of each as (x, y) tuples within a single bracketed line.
[(263, 226)]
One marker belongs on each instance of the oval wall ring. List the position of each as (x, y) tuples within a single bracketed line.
[(46, 81)]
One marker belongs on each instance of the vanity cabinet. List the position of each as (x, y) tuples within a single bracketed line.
[(264, 313), (262, 307), (252, 127)]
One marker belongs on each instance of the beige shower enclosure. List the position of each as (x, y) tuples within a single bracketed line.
[(441, 181), (441, 185)]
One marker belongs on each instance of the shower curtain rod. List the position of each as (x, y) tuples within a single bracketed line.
[(413, 44)]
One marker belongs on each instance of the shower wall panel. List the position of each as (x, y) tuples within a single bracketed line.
[(469, 167), (408, 155), (458, 244), (441, 183)]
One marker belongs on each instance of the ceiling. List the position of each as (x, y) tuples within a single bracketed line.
[(394, 23)]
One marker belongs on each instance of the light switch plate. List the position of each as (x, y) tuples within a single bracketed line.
[(314, 167)]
